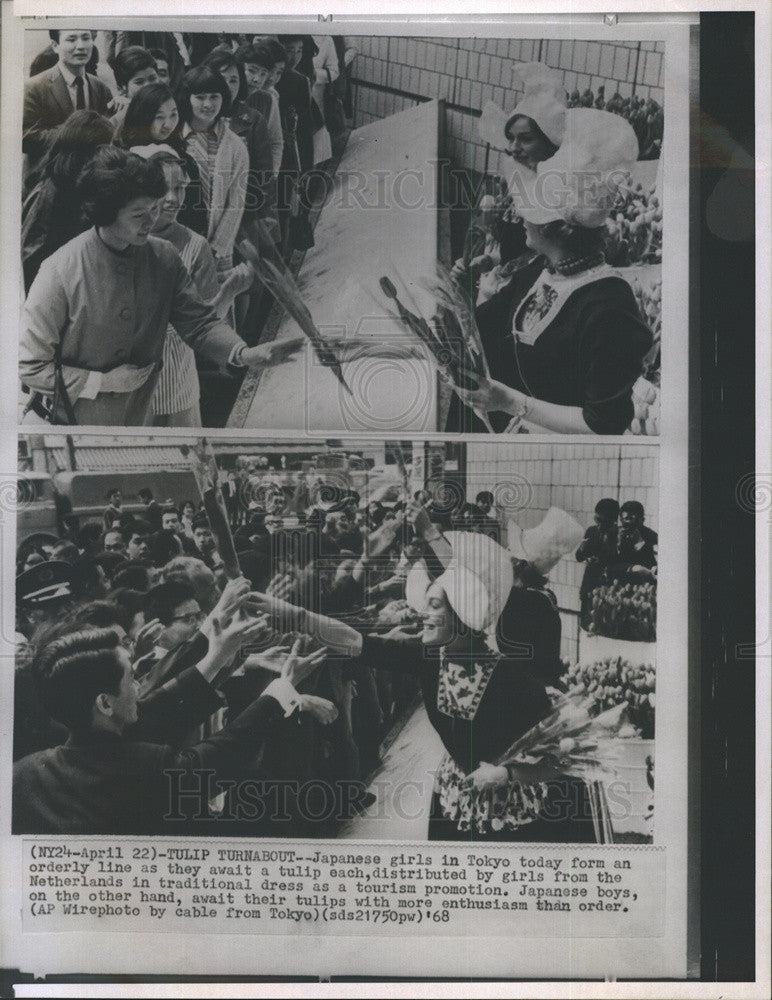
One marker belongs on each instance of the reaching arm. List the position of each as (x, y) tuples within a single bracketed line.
[(339, 638)]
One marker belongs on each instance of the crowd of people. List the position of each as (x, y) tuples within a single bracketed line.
[(143, 664), (132, 138)]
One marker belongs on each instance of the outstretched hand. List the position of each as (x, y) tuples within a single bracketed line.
[(273, 353), (297, 668)]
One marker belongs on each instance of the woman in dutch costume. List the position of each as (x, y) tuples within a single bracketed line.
[(478, 700), (564, 338)]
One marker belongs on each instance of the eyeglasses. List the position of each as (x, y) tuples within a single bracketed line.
[(191, 618)]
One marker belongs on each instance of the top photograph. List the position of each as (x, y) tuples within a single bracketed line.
[(336, 234)]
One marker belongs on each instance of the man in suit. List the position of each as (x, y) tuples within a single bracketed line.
[(637, 546), (101, 782), (52, 96), (598, 551)]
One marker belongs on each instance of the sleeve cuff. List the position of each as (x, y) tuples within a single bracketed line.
[(235, 356), (282, 691), (93, 386)]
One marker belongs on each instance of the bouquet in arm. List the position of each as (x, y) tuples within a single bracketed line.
[(571, 741), (450, 335)]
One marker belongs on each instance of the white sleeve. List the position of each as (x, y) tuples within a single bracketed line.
[(283, 692)]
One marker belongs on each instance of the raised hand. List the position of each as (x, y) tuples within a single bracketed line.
[(297, 668), (225, 642), (233, 597), (272, 659), (147, 637)]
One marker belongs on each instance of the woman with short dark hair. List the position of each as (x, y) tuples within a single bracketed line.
[(96, 316), (217, 201)]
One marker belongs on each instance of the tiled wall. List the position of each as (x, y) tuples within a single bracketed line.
[(467, 72), (528, 479)]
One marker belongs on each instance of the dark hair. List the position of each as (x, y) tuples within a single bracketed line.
[(145, 494), (632, 507), (159, 56), (162, 600), (131, 601), (130, 61), (222, 58), (140, 113), (88, 534), (486, 496), (102, 614), (200, 520), (66, 551), (53, 34), (255, 54), (71, 672), (134, 575), (578, 241), (202, 80), (111, 562), (87, 580), (528, 574), (607, 507), (111, 490), (74, 143), (138, 526), (44, 60), (276, 49), (537, 131), (113, 179)]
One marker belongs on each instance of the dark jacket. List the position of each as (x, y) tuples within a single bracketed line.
[(294, 92), (100, 783), (47, 104), (250, 124)]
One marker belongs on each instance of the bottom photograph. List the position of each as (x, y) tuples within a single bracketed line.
[(354, 640)]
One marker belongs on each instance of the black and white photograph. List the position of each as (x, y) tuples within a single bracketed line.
[(329, 655), (365, 640), (342, 233)]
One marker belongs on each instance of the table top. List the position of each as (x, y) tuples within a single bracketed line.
[(380, 219)]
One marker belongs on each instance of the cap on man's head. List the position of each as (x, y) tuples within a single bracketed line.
[(48, 581)]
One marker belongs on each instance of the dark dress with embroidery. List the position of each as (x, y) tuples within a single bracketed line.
[(479, 703), (589, 355)]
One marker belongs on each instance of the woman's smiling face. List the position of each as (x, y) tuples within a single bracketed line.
[(526, 143), (205, 108), (165, 121), (439, 620)]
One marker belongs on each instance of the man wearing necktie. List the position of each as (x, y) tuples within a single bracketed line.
[(52, 96)]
